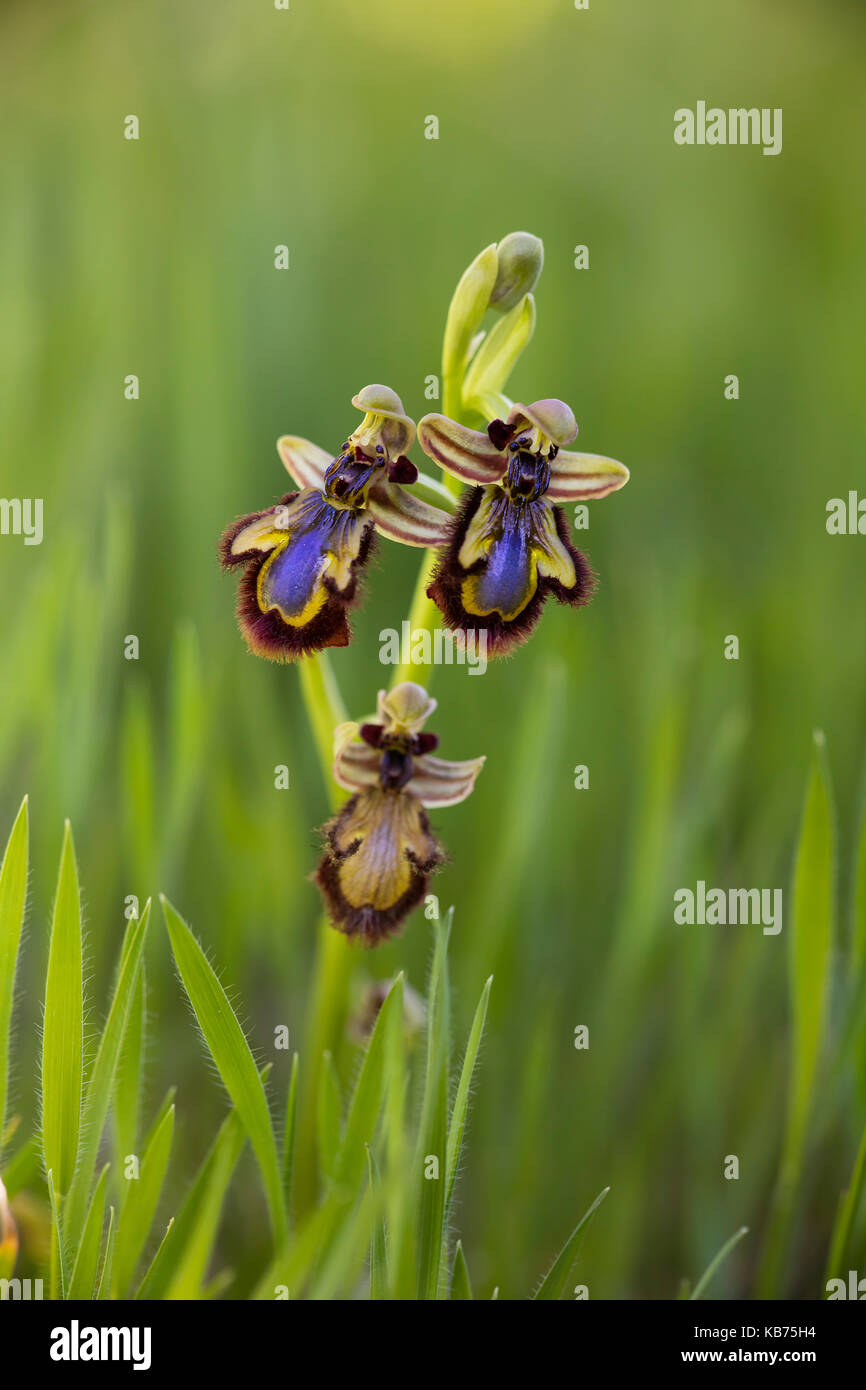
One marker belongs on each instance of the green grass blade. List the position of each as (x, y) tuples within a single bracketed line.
[(63, 1029), (554, 1282), (139, 1207), (718, 1260), (290, 1131), (233, 1058), (180, 1265), (128, 1079), (378, 1240), (810, 948), (460, 1111), (328, 1114), (461, 1287), (366, 1100), (431, 1156), (152, 1271), (103, 1291), (99, 1088), (82, 1283), (58, 1257), (843, 1225), (811, 942), (13, 895)]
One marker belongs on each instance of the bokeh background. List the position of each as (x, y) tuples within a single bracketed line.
[(156, 257)]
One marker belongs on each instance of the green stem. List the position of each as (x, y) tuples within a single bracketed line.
[(325, 710), (335, 958)]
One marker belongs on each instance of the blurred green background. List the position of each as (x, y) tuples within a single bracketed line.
[(156, 257)]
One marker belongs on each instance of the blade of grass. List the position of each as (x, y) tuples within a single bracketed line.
[(843, 1225), (460, 1111), (103, 1291), (13, 895), (554, 1282), (58, 1258), (290, 1130), (461, 1287), (718, 1260), (180, 1265), (327, 1239), (378, 1241), (431, 1156), (139, 1207), (99, 1088), (366, 1100), (63, 1028), (82, 1284), (328, 1112), (233, 1058), (130, 1071), (810, 954)]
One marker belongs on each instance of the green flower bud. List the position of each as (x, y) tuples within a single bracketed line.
[(521, 258)]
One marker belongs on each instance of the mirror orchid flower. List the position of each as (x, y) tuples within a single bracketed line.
[(303, 557), (379, 848), (509, 547)]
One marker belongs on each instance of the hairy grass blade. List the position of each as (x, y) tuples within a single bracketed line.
[(141, 1200), (63, 1029), (99, 1087), (129, 1076), (378, 1241), (461, 1287), (554, 1282), (328, 1114), (366, 1100), (290, 1130), (103, 1291), (82, 1283), (233, 1058), (718, 1260), (460, 1111), (848, 1206), (58, 1258), (810, 948), (13, 894), (430, 1157), (180, 1265)]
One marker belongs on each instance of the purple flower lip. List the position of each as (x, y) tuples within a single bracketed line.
[(302, 560), (509, 548)]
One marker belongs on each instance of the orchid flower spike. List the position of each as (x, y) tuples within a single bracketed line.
[(302, 558), (380, 849), (509, 546)]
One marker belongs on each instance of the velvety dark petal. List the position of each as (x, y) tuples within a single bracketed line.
[(294, 595), (379, 854), (503, 560)]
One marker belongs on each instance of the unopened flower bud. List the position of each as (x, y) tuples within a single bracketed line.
[(520, 262)]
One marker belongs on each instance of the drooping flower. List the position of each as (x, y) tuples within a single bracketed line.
[(302, 558), (509, 546), (380, 849)]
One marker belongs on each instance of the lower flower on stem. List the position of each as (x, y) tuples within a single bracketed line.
[(380, 849)]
